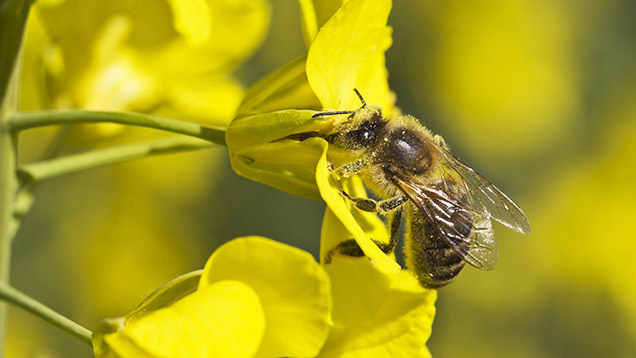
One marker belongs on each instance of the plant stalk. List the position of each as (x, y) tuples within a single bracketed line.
[(47, 169), (13, 16), (29, 304), (25, 120)]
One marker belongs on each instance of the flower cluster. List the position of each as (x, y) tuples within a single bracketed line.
[(259, 298)]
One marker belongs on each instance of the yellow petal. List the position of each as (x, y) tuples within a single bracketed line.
[(50, 3), (284, 88), (370, 222), (314, 14), (116, 79), (221, 320), (293, 288), (333, 232), (192, 19), (252, 131), (324, 10), (377, 315), (258, 153), (212, 100), (164, 296), (350, 41), (308, 20), (288, 166), (337, 208), (117, 84), (237, 28)]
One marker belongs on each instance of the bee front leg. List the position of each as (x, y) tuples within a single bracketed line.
[(348, 169)]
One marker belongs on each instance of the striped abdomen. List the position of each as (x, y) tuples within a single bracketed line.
[(429, 255)]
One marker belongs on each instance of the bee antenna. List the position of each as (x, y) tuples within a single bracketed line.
[(364, 103), (331, 113), (322, 114)]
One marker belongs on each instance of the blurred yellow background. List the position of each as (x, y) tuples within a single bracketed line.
[(538, 96)]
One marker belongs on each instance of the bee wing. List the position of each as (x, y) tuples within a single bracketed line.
[(451, 217), (482, 194)]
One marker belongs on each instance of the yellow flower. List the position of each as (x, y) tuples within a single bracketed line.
[(347, 53), (130, 59), (255, 298), (260, 298), (225, 319), (169, 58), (375, 314)]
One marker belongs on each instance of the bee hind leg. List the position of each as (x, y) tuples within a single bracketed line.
[(383, 206), (350, 247)]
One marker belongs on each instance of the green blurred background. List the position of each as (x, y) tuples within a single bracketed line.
[(538, 96)]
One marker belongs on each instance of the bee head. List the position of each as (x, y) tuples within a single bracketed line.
[(359, 130)]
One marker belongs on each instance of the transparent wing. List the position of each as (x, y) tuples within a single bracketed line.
[(481, 194), (448, 213)]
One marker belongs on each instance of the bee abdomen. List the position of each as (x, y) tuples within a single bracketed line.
[(437, 266), (429, 255)]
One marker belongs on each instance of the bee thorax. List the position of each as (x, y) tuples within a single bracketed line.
[(402, 151)]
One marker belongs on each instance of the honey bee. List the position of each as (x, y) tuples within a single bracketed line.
[(449, 205)]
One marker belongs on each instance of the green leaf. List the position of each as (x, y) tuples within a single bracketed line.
[(13, 16)]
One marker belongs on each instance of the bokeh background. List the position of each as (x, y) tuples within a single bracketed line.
[(537, 95)]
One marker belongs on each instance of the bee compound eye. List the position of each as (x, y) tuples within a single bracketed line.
[(357, 138)]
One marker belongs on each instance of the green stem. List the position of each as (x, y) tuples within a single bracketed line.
[(23, 202), (25, 120), (8, 187), (13, 16), (18, 298), (73, 163), (26, 194)]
